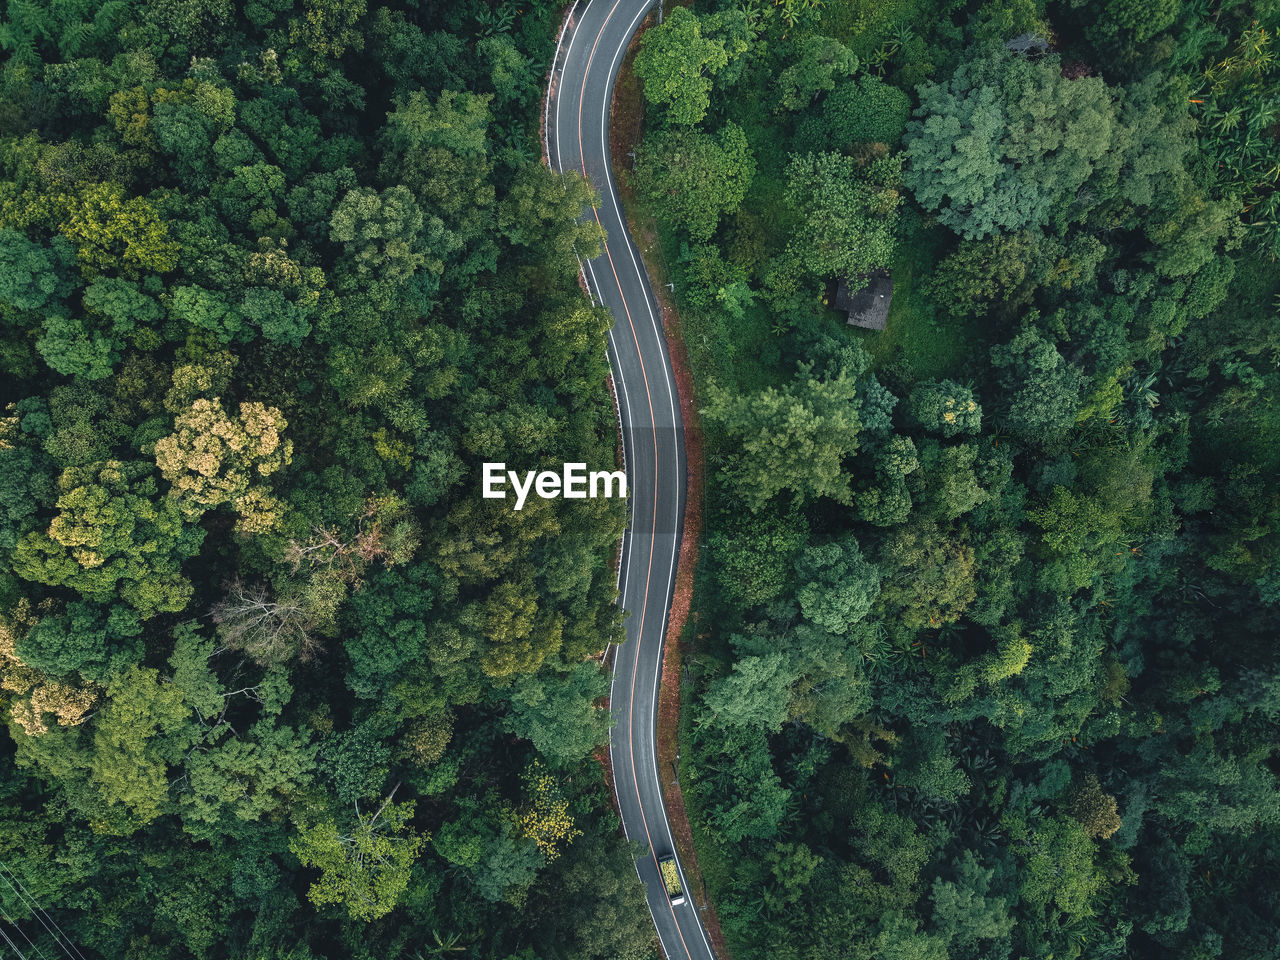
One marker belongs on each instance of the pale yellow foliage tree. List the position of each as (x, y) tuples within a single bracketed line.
[(35, 695), (1095, 809), (212, 458)]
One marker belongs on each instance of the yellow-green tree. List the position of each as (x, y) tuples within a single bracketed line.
[(365, 868), (113, 537), (213, 458), (111, 231), (141, 731), (545, 818)]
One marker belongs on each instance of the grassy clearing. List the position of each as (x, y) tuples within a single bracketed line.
[(742, 353), (917, 338)]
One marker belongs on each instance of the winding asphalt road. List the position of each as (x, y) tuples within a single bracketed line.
[(588, 56)]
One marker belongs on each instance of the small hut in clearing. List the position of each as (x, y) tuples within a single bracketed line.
[(868, 305)]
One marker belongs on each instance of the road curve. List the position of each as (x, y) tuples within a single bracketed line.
[(588, 56)]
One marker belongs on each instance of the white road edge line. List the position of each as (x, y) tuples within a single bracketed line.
[(679, 498), (671, 394)]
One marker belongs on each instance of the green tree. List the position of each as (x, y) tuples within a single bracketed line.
[(144, 728), (386, 627), (796, 438), (610, 921), (122, 304), (754, 695), (828, 687), (1137, 20), (246, 778), (1081, 531), (512, 74), (902, 940), (326, 29), (560, 714), (488, 847), (924, 763), (440, 151), (112, 231), (113, 536), (821, 62), (867, 110), (207, 310), (792, 866), (250, 198), (947, 484), (996, 273), (72, 350), (1005, 142), (428, 737), (364, 868), (929, 575), (944, 407), (845, 217), (541, 212), (694, 179), (750, 801), (82, 428), (86, 637), (754, 554), (886, 500), (90, 344), (1060, 871), (29, 274), (965, 912), (837, 586), (25, 482), (388, 239), (1094, 809), (676, 63), (1042, 390), (1190, 228)]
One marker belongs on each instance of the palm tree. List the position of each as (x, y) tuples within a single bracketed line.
[(452, 944)]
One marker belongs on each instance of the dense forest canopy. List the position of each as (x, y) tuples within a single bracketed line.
[(984, 658), (274, 278), (984, 654)]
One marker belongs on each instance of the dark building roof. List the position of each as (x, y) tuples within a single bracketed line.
[(868, 305)]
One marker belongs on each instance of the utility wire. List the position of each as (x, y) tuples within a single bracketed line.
[(14, 923), (13, 946), (39, 913), (42, 914)]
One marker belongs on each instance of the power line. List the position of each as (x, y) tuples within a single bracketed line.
[(14, 923), (21, 955), (13, 946), (25, 936), (24, 897), (42, 914)]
